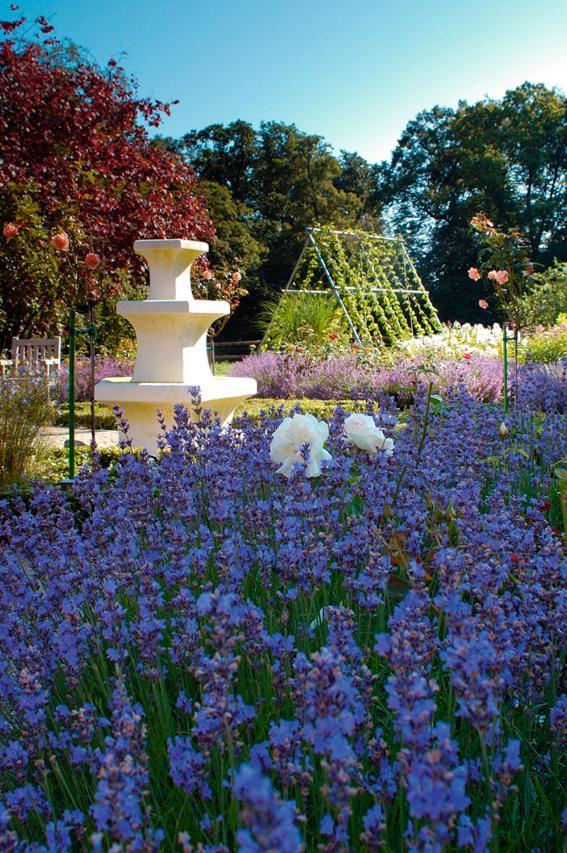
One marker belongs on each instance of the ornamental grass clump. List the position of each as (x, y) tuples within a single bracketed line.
[(24, 409), (205, 652)]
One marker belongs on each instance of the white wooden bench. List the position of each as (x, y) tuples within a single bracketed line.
[(39, 356)]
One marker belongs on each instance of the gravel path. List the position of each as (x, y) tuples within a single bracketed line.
[(57, 436)]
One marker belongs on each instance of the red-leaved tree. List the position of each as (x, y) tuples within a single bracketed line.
[(76, 156)]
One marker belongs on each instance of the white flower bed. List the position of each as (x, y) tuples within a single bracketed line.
[(456, 341)]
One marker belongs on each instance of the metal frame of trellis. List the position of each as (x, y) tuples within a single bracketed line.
[(310, 241)]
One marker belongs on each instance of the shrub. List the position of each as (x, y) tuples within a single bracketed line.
[(546, 345), (298, 375), (24, 409), (543, 387), (104, 417), (546, 298)]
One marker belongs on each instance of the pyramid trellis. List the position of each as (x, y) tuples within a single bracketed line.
[(373, 279)]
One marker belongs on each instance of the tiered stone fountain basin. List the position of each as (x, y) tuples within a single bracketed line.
[(171, 328)]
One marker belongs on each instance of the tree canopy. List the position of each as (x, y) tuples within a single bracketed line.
[(77, 156), (274, 182), (505, 158)]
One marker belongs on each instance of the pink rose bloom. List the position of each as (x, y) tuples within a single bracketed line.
[(483, 303), (10, 230), (502, 276), (493, 275), (236, 276), (92, 260), (60, 241), (208, 275), (474, 274)]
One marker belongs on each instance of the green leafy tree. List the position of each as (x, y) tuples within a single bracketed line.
[(235, 244), (277, 181), (506, 158), (546, 299)]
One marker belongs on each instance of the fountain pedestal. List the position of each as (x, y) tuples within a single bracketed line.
[(171, 328)]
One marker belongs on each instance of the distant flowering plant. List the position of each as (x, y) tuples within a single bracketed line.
[(286, 375), (104, 366), (455, 340)]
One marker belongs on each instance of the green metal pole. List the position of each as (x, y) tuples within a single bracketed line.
[(71, 442), (505, 345), (515, 367), (334, 287)]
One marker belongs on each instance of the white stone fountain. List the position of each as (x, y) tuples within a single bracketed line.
[(171, 328)]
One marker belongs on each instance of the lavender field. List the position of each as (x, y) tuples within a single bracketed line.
[(205, 654)]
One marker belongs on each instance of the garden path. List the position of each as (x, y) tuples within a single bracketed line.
[(54, 436)]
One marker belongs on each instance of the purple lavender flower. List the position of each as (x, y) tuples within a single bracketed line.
[(374, 823), (558, 721), (122, 776), (269, 821), (436, 787), (187, 767)]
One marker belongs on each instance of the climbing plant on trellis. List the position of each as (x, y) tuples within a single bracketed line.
[(376, 286)]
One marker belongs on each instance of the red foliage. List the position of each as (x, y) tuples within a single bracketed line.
[(70, 132)]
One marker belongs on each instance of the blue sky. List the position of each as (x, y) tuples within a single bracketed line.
[(354, 72)]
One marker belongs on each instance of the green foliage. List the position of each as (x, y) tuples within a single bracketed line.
[(546, 346), (53, 465), (27, 266), (112, 330), (372, 276), (546, 297), (323, 409), (506, 158), (560, 471), (265, 186), (301, 318), (104, 419), (24, 409), (235, 245)]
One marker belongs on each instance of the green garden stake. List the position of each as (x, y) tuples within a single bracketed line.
[(505, 347), (71, 442), (92, 339)]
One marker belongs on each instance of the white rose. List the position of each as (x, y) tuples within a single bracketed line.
[(292, 435), (361, 430)]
